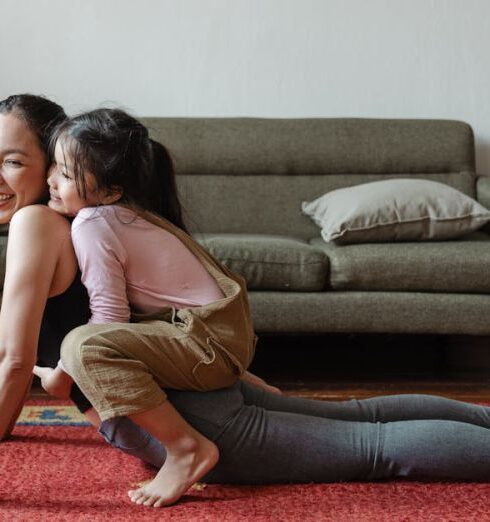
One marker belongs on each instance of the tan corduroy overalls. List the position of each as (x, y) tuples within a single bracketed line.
[(121, 367)]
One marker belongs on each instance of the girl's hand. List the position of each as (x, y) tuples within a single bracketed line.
[(260, 383), (54, 381)]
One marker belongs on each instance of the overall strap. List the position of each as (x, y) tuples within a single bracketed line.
[(240, 339), (208, 260)]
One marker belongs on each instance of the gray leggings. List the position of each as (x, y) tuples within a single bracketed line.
[(268, 438)]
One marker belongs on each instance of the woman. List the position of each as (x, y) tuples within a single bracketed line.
[(40, 261)]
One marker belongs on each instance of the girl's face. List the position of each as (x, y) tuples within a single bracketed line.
[(63, 192), (22, 166)]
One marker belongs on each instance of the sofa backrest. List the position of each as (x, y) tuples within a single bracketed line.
[(251, 174)]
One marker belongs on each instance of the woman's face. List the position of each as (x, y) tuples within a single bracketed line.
[(22, 166)]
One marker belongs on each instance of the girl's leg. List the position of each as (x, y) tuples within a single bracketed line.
[(189, 456), (144, 357), (122, 433), (377, 409), (211, 411)]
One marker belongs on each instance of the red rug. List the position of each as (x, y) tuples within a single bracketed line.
[(51, 471)]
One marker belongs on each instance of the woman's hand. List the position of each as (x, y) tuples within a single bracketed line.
[(54, 381), (10, 423), (260, 383)]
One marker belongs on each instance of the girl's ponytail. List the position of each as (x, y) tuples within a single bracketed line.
[(165, 200)]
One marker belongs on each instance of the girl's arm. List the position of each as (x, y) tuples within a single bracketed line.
[(40, 263), (102, 261)]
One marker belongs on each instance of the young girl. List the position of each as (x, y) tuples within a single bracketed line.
[(193, 326)]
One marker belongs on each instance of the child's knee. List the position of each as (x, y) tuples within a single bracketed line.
[(76, 348)]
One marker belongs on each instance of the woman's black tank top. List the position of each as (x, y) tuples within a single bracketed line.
[(62, 313)]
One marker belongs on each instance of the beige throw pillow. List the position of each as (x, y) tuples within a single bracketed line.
[(395, 210)]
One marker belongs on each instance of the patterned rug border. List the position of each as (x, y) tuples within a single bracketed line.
[(51, 415)]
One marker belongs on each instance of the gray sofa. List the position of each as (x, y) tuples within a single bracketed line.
[(242, 181)]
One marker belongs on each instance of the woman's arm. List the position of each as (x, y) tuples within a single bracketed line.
[(40, 263)]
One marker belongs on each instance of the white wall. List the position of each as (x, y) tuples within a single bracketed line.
[(277, 58)]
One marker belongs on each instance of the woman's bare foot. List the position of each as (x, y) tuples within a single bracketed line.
[(180, 471)]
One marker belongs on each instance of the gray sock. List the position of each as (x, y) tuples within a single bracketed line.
[(124, 434)]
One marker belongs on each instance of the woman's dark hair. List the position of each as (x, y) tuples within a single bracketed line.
[(41, 115), (117, 150)]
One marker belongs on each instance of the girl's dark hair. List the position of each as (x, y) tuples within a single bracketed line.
[(41, 115), (117, 150)]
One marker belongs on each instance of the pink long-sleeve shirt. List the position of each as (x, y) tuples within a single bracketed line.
[(129, 264)]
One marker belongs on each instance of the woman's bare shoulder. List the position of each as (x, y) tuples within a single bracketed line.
[(38, 219), (46, 235)]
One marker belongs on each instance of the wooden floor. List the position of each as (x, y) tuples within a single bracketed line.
[(341, 367), (473, 387)]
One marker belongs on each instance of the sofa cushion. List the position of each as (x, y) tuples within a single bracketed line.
[(443, 266), (395, 210), (270, 262), (374, 312)]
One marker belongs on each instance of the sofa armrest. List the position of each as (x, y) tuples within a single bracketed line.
[(483, 190), (483, 196), (3, 259)]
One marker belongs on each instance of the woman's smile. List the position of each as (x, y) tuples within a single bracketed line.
[(7, 201), (5, 197)]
